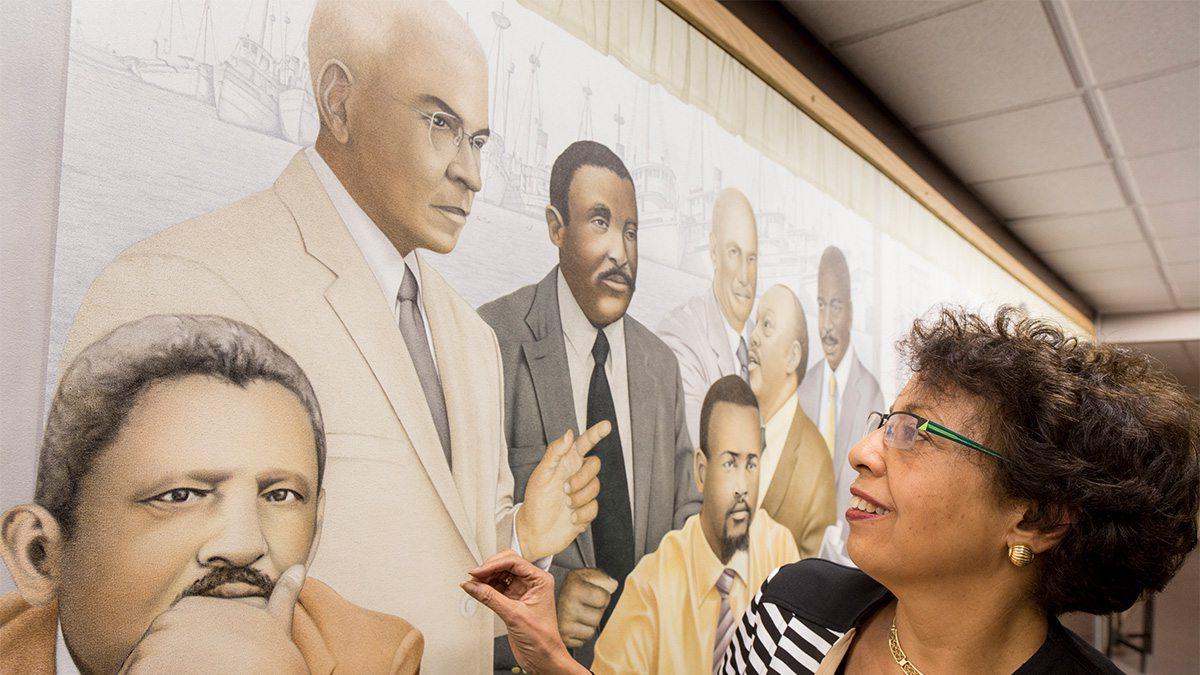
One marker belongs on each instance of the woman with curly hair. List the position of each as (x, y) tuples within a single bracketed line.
[(1020, 474)]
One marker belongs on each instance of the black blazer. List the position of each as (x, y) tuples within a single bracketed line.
[(804, 608)]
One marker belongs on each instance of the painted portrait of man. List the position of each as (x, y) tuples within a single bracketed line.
[(179, 502), (795, 472), (710, 333), (838, 392), (574, 357), (682, 603), (325, 262)]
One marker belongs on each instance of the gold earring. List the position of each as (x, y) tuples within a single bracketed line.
[(1020, 555)]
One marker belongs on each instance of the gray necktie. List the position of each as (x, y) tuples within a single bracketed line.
[(743, 357), (725, 619), (412, 327)]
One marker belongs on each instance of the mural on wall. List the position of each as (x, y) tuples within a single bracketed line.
[(516, 275)]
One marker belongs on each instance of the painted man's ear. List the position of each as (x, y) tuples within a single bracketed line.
[(555, 226), (333, 91), (699, 466), (31, 544)]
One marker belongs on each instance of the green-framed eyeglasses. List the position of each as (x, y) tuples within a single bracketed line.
[(902, 427)]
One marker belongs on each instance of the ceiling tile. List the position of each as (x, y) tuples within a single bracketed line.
[(977, 59), (1168, 176), (1185, 275), (1145, 280), (1042, 138), (1124, 38), (1123, 301), (1181, 219), (1055, 233), (832, 20), (1097, 258), (1086, 189), (1180, 249), (1189, 298), (1158, 114)]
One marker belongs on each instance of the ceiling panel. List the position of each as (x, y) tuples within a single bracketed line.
[(1147, 280), (1185, 275), (1126, 301), (1057, 135), (1169, 176), (974, 60), (832, 20), (1180, 219), (1158, 114), (1055, 233), (1089, 188), (1125, 38), (1105, 257), (1181, 249)]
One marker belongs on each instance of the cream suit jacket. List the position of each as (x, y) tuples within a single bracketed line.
[(400, 530)]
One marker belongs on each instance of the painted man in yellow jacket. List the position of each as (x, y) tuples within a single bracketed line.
[(682, 603)]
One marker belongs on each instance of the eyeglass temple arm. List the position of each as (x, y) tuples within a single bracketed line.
[(934, 427)]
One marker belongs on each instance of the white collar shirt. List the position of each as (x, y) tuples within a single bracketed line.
[(842, 376), (579, 336), (385, 262)]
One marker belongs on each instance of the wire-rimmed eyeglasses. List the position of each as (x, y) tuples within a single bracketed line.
[(902, 428), (446, 131)]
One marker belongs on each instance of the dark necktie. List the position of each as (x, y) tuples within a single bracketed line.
[(612, 530), (412, 327)]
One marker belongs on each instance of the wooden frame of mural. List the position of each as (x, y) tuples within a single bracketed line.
[(725, 29)]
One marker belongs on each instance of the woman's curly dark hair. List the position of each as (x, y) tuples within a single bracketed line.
[(1093, 434)]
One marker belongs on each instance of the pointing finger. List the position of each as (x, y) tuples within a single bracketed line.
[(588, 440)]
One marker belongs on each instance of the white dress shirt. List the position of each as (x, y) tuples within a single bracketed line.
[(580, 336), (734, 339), (63, 663), (775, 435), (842, 375), (381, 255)]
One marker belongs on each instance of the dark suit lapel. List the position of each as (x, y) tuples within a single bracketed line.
[(643, 413), (546, 356)]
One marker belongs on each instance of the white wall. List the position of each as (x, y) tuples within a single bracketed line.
[(33, 76)]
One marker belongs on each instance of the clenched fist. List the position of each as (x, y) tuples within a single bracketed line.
[(560, 497), (585, 594)]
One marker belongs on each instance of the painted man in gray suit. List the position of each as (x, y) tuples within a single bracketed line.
[(710, 333), (838, 392), (572, 357)]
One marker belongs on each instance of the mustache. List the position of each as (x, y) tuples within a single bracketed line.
[(617, 273), (738, 506), (829, 338), (220, 576)]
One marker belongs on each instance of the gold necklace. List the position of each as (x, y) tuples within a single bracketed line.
[(906, 666)]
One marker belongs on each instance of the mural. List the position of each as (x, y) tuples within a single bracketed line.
[(524, 284)]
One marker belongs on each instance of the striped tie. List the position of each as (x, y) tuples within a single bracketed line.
[(726, 625)]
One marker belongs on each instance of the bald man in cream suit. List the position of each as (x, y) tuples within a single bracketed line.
[(324, 262)]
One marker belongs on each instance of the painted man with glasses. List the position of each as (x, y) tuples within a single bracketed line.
[(838, 392), (324, 262)]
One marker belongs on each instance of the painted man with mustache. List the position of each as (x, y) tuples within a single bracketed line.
[(683, 602), (838, 392), (572, 358), (179, 501), (710, 333)]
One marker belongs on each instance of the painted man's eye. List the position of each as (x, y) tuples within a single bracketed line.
[(283, 495), (179, 496)]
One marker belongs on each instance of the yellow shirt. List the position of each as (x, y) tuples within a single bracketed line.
[(666, 619)]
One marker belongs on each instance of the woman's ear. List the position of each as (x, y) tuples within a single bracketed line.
[(31, 545), (1040, 538)]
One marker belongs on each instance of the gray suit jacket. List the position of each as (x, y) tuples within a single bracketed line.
[(862, 396), (539, 407), (695, 331)]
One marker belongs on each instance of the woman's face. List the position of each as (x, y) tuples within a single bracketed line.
[(940, 515)]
